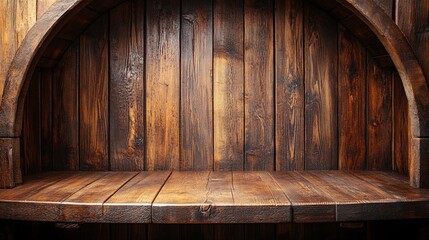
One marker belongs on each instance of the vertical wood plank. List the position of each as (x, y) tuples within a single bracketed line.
[(46, 118), (25, 17), (93, 96), (126, 96), (289, 72), (42, 6), (321, 132), (401, 126), (31, 127), (228, 85), (196, 135), (128, 231), (259, 84), (352, 102), (163, 84), (65, 112), (7, 38), (379, 117)]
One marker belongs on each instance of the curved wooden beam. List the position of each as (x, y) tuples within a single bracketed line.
[(23, 63), (380, 23), (412, 77)]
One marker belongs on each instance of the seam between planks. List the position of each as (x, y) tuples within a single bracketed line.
[(156, 196)]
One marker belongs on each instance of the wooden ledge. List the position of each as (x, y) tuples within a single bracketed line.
[(214, 197)]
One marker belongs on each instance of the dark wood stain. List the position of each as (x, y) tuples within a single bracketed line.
[(93, 97), (126, 87)]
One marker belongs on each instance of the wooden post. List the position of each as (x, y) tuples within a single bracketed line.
[(10, 169), (419, 162)]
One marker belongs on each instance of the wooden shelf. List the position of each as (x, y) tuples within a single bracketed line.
[(214, 197)]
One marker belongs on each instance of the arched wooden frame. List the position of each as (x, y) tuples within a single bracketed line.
[(369, 12)]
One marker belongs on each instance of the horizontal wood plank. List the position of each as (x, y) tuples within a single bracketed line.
[(214, 197)]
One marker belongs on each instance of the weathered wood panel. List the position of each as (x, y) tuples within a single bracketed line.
[(46, 118), (228, 88), (31, 128), (321, 141), (65, 112), (401, 127), (379, 117), (162, 85), (126, 95), (351, 102), (258, 84), (93, 97), (289, 88), (196, 117)]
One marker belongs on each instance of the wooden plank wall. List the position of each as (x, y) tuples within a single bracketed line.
[(187, 88), (223, 85)]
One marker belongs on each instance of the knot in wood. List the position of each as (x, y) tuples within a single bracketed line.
[(205, 209)]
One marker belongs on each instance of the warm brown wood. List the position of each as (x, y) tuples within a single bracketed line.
[(214, 197), (126, 95), (386, 5), (93, 97), (351, 102), (162, 85), (132, 203), (259, 82), (289, 85), (46, 118), (321, 129), (220, 197), (379, 117), (196, 120), (65, 111), (31, 127), (10, 171), (42, 6), (401, 127), (228, 85), (90, 199), (419, 149), (309, 203)]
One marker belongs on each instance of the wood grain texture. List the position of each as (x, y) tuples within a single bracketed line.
[(289, 74), (196, 130), (46, 77), (228, 85), (7, 38), (25, 17), (31, 127), (163, 85), (412, 18), (379, 117), (42, 6), (65, 112), (401, 127), (258, 84), (126, 95), (309, 203), (132, 203), (321, 142), (93, 97), (386, 5), (220, 197), (10, 171), (351, 102)]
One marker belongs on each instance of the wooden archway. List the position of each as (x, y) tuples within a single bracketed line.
[(379, 22)]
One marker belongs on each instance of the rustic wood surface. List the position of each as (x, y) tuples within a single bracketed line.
[(126, 88), (321, 60), (228, 85), (214, 197), (351, 103), (93, 97), (196, 117), (162, 85), (289, 80)]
